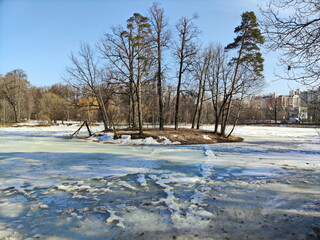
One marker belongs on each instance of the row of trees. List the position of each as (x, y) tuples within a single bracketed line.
[(150, 72), (20, 101), (63, 102), (146, 57)]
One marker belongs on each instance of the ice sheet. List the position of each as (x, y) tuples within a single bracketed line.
[(266, 187)]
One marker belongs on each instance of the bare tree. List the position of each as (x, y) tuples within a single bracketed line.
[(247, 42), (118, 49), (185, 50), (85, 72), (161, 36), (219, 82), (128, 50), (201, 71), (13, 87), (222, 86), (294, 27), (248, 83)]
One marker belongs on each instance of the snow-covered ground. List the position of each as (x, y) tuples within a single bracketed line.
[(266, 187)]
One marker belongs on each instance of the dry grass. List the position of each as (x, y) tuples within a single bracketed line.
[(184, 136)]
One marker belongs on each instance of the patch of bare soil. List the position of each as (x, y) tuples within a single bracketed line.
[(184, 136)]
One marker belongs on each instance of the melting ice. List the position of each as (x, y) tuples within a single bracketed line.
[(266, 187)]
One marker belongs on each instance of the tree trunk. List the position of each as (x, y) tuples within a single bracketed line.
[(16, 115), (237, 118), (160, 95), (14, 108), (224, 114), (216, 124), (130, 112), (169, 113), (104, 119), (138, 90), (215, 108), (234, 81), (197, 105), (102, 109), (131, 81), (201, 104), (88, 129), (224, 120), (139, 108), (176, 118), (133, 105), (235, 123)]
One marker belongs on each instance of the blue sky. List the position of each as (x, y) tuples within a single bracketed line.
[(39, 35)]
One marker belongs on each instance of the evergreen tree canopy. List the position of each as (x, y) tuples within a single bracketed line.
[(247, 41), (139, 28)]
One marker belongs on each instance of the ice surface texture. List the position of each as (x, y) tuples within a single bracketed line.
[(266, 187)]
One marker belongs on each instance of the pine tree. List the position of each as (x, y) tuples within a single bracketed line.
[(247, 42), (140, 30), (128, 52)]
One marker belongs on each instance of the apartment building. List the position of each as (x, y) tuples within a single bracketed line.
[(298, 104)]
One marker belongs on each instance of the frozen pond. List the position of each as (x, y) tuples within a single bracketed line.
[(267, 187)]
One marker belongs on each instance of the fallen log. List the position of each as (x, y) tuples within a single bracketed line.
[(85, 123)]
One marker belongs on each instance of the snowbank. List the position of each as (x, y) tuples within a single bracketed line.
[(126, 140)]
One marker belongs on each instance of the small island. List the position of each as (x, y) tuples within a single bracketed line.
[(184, 136), (149, 136)]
